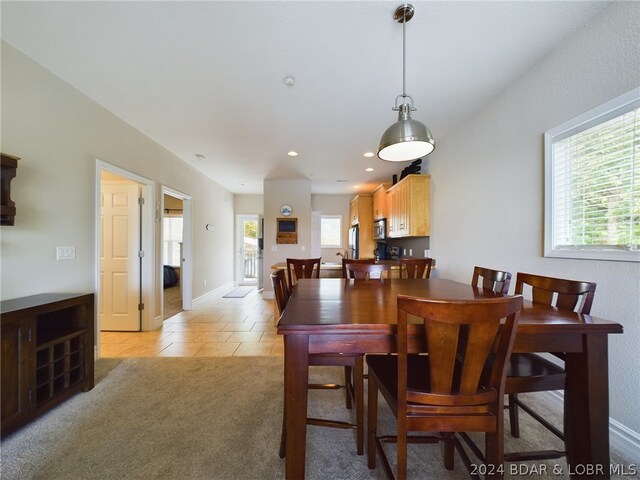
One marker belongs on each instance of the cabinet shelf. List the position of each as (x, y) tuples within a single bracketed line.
[(54, 337)]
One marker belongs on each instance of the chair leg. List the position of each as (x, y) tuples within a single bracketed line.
[(283, 435), (401, 463), (514, 421), (372, 421), (448, 450), (494, 453), (359, 387), (347, 385)]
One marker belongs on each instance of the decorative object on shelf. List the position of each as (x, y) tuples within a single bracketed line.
[(287, 231), (285, 210), (407, 139), (9, 167), (414, 168), (209, 226)]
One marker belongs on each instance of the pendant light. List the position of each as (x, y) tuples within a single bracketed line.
[(407, 139)]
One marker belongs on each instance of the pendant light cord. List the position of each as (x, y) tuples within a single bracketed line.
[(404, 56)]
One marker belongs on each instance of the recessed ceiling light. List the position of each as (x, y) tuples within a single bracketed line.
[(289, 80), (342, 181), (356, 186), (368, 154), (199, 156), (292, 153), (369, 169)]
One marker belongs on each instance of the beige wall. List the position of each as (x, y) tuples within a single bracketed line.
[(59, 133), (296, 193), (249, 204), (487, 183)]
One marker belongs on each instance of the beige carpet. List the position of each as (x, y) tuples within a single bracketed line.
[(199, 418)]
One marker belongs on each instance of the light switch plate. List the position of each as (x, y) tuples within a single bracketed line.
[(65, 253)]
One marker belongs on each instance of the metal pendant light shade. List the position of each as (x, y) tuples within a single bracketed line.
[(407, 139)]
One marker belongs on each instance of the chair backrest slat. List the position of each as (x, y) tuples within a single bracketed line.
[(558, 292), (366, 271), (280, 289), (302, 268), (465, 340), (415, 267), (496, 280), (348, 261)]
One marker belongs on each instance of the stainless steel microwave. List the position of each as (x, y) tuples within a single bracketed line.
[(380, 229)]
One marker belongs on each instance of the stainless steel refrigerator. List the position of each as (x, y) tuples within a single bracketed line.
[(353, 242)]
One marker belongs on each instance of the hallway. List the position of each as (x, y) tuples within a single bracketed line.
[(214, 327)]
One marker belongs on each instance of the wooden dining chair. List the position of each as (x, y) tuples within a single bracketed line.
[(347, 261), (529, 372), (353, 373), (302, 268), (444, 391), (495, 280), (415, 267), (366, 271)]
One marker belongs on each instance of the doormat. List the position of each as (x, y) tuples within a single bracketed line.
[(239, 292)]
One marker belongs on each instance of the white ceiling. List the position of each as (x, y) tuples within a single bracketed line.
[(205, 77)]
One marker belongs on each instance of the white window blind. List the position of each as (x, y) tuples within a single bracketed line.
[(593, 183)]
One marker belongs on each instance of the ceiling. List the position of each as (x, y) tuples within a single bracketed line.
[(205, 78)]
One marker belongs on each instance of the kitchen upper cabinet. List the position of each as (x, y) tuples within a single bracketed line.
[(408, 207), (360, 209), (362, 215), (380, 201)]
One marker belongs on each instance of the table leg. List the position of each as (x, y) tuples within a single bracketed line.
[(296, 379), (586, 409)]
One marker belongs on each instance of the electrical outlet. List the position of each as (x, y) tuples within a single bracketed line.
[(427, 253), (302, 248), (65, 253), (405, 252), (204, 283), (411, 252)]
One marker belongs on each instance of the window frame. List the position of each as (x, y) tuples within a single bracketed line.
[(338, 217), (596, 116)]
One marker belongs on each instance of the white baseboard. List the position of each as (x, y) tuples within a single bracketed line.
[(221, 290), (157, 322), (621, 438)]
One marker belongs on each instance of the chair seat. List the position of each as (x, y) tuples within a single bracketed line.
[(529, 372), (386, 372)]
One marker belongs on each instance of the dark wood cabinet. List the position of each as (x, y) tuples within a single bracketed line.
[(9, 165), (47, 354)]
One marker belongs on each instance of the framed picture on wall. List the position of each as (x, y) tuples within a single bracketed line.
[(287, 230)]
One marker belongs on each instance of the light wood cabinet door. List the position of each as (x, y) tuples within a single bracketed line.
[(353, 212), (408, 204), (380, 202)]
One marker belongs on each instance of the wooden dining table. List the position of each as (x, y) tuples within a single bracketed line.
[(330, 315)]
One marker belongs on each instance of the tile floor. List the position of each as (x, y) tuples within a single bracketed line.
[(215, 327)]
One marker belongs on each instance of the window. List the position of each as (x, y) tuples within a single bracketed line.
[(172, 233), (331, 231), (592, 183)]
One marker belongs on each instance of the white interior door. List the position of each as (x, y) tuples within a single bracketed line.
[(119, 260)]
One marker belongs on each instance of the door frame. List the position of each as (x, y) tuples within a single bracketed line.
[(239, 235), (186, 272), (148, 245)]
